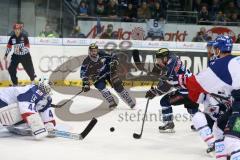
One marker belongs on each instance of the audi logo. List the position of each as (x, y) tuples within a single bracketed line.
[(58, 64)]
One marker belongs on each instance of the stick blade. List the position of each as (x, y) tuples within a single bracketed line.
[(89, 127), (137, 136)]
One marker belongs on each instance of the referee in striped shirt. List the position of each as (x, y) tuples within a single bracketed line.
[(21, 54)]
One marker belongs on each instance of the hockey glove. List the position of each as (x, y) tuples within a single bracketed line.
[(113, 64), (86, 86), (151, 93)]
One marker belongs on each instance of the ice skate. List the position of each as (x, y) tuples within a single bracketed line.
[(168, 127)]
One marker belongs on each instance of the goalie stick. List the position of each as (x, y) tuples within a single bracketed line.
[(55, 133), (75, 136)]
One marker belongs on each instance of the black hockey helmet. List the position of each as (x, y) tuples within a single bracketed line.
[(162, 52), (93, 46)]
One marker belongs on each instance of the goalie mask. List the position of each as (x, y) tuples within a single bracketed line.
[(44, 86), (93, 52)]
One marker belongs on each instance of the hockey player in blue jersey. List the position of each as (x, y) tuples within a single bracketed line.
[(34, 103), (168, 80), (101, 68)]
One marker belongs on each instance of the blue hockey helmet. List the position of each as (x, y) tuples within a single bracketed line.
[(210, 43), (223, 43)]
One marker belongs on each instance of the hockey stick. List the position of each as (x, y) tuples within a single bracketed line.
[(60, 105), (55, 133), (138, 136), (219, 96), (75, 136)]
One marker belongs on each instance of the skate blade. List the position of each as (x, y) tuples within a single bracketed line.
[(167, 131)]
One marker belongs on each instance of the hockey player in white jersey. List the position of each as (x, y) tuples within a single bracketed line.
[(34, 103), (222, 75), (214, 107)]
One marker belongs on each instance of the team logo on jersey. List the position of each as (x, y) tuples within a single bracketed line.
[(13, 41)]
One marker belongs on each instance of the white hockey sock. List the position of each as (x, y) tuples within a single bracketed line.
[(206, 134), (220, 150), (235, 155), (200, 123)]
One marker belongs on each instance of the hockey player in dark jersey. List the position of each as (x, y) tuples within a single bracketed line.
[(20, 54), (168, 80), (100, 68)]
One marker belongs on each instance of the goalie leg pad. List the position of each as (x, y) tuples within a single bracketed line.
[(22, 130), (10, 115), (36, 124)]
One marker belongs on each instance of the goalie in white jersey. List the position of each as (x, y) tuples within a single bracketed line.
[(34, 104)]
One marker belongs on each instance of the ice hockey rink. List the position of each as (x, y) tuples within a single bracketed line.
[(101, 144)]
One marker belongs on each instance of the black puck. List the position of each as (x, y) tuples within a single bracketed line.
[(112, 129)]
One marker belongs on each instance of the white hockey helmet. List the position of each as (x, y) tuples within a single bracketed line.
[(44, 86)]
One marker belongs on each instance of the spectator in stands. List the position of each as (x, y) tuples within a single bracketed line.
[(83, 9), (112, 9), (238, 3), (100, 8), (230, 10), (122, 4), (203, 15), (130, 14), (143, 11), (76, 33), (164, 3), (197, 5), (238, 39), (214, 9), (202, 36), (49, 33), (157, 12), (234, 20), (109, 34), (135, 3), (221, 18)]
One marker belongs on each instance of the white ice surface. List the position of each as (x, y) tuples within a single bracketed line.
[(101, 144)]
